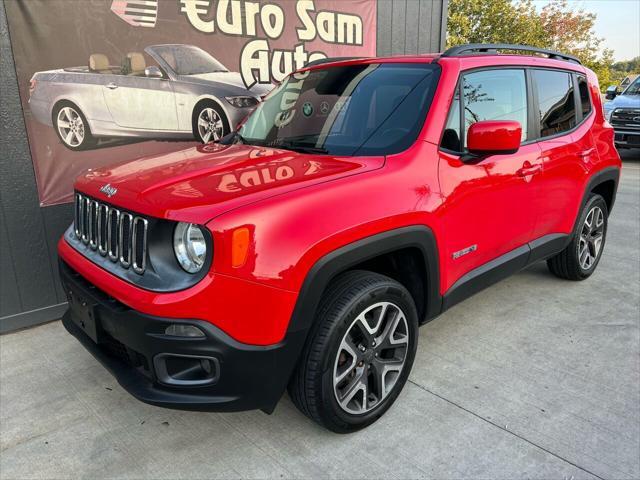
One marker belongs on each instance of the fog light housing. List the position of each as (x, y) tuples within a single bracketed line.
[(186, 370), (182, 330)]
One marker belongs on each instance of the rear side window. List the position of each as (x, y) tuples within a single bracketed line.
[(555, 98), (585, 99), (495, 94)]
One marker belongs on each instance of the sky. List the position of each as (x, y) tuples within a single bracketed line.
[(618, 22)]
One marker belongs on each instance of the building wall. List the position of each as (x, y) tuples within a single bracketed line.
[(30, 292)]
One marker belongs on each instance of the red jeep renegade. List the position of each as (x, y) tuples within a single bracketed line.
[(360, 200)]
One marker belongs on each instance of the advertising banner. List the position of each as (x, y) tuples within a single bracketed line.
[(106, 81)]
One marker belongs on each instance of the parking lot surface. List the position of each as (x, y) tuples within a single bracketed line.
[(534, 377)]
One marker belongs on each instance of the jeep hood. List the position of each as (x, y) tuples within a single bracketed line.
[(200, 183)]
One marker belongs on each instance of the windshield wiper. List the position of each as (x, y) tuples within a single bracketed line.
[(296, 147)]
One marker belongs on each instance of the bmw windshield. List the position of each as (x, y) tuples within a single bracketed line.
[(371, 109), (188, 60)]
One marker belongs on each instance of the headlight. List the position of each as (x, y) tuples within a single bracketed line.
[(607, 114), (190, 246), (242, 102)]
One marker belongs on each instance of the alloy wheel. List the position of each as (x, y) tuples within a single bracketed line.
[(210, 125), (591, 237), (70, 126), (370, 358)]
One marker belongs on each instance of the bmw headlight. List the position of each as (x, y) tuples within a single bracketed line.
[(242, 101), (189, 246)]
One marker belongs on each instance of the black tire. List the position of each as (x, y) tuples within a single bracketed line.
[(197, 111), (567, 264), (311, 387), (88, 140)]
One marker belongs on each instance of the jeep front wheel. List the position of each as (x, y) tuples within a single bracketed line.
[(359, 353)]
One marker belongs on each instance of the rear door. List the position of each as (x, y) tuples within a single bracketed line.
[(490, 205), (564, 129)]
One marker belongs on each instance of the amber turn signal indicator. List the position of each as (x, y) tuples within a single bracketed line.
[(239, 247)]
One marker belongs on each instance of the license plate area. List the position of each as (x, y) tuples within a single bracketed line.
[(83, 314)]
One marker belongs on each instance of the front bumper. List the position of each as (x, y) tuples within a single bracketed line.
[(41, 111), (134, 348), (627, 138)]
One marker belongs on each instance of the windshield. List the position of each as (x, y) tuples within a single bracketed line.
[(634, 88), (188, 60), (374, 109)]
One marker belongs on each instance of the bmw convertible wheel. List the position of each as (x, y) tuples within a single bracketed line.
[(359, 353), (72, 127), (209, 123)]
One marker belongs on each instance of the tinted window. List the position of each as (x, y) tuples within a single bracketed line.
[(585, 100), (373, 109), (555, 98), (495, 95)]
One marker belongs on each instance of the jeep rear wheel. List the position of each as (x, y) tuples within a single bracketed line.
[(359, 352), (579, 260)]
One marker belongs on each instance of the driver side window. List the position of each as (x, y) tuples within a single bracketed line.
[(496, 94)]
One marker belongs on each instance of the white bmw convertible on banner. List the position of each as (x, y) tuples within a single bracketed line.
[(185, 93)]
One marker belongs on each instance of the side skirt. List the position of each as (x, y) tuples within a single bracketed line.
[(504, 266)]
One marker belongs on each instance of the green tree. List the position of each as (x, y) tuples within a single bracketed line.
[(556, 27)]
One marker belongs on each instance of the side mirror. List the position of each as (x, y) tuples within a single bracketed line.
[(611, 92), (492, 137), (153, 72)]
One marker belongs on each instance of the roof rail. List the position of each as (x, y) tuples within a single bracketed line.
[(492, 49), (320, 61)]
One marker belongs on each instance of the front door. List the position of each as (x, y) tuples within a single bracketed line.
[(491, 205), (139, 102)]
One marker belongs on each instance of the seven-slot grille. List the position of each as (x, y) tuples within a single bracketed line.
[(116, 234), (626, 117)]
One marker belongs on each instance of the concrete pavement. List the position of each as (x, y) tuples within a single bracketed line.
[(535, 377)]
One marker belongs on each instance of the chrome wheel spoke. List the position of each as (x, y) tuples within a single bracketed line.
[(356, 391), (385, 374), (350, 358)]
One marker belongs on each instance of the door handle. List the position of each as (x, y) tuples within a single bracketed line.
[(587, 152), (111, 86), (585, 155), (529, 169)]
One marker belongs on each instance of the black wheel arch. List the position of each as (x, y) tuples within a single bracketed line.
[(604, 183), (354, 255)]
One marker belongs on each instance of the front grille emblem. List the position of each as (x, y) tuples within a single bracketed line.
[(108, 190)]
